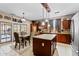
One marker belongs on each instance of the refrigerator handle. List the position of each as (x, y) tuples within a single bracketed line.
[(73, 30)]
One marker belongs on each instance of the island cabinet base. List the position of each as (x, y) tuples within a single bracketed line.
[(43, 47)]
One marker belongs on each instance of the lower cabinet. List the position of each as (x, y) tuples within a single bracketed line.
[(43, 47), (64, 38)]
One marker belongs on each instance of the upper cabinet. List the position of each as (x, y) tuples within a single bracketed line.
[(7, 17), (66, 23)]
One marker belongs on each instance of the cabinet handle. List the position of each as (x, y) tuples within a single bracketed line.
[(42, 44)]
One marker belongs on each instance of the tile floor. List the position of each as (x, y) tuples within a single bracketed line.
[(7, 49)]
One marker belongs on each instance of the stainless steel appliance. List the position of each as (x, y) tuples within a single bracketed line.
[(75, 34)]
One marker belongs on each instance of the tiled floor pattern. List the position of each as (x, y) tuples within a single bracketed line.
[(8, 49)]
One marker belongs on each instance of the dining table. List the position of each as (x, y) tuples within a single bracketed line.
[(24, 35), (24, 38)]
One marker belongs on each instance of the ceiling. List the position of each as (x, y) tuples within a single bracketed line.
[(34, 11)]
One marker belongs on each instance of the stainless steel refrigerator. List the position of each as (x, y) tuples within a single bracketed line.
[(75, 34)]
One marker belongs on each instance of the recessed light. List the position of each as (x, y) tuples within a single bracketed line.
[(57, 12)]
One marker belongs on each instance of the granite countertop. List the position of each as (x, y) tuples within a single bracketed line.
[(56, 32), (61, 32), (64, 32), (45, 36)]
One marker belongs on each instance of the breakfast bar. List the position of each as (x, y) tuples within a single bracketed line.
[(44, 44)]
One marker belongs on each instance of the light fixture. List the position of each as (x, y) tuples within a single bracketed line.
[(46, 17), (57, 12), (46, 20), (48, 25), (23, 19), (43, 23), (46, 6)]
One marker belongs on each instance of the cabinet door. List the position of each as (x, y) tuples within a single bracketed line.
[(68, 38), (66, 24), (41, 47), (59, 38), (63, 40)]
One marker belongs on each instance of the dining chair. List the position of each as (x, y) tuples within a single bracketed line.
[(18, 40)]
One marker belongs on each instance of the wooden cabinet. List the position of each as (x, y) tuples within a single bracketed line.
[(66, 24), (68, 39), (42, 47), (64, 38)]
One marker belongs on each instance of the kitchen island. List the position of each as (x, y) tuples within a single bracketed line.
[(44, 44)]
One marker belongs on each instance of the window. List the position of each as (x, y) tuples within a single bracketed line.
[(55, 24)]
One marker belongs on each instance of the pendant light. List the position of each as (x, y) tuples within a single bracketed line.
[(46, 20), (48, 25), (23, 19), (43, 23)]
